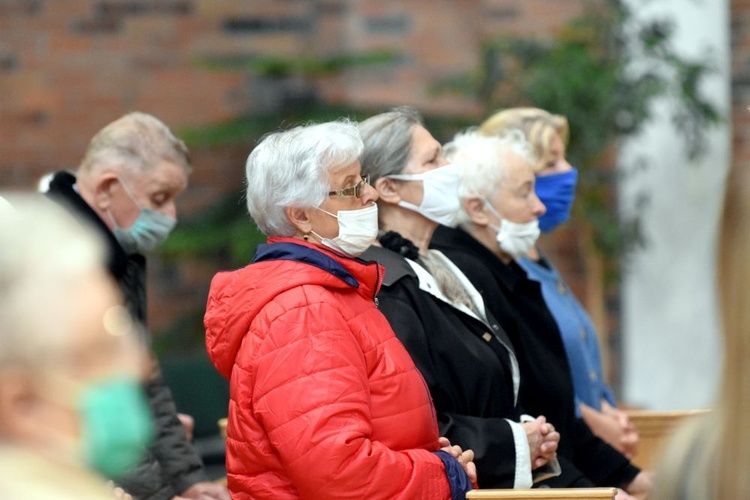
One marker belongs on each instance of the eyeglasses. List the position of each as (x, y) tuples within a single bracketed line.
[(355, 190)]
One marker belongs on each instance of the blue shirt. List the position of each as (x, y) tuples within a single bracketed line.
[(578, 335)]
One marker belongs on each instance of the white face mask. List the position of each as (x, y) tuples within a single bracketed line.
[(440, 201), (515, 239), (357, 230)]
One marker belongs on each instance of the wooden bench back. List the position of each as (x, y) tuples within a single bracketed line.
[(544, 494), (223, 427), (654, 428)]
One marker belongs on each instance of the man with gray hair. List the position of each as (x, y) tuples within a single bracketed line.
[(126, 186)]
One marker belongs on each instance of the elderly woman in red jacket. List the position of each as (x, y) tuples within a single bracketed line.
[(325, 401)]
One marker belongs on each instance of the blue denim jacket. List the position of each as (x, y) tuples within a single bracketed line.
[(578, 335)]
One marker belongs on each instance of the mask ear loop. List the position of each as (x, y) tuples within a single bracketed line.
[(112, 218), (129, 194)]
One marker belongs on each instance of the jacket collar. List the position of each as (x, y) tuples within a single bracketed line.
[(299, 253), (352, 271), (398, 267), (62, 189), (394, 264), (460, 240)]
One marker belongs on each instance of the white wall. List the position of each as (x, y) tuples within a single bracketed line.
[(671, 345)]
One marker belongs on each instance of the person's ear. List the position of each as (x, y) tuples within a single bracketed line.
[(387, 190), (474, 206), (300, 218), (17, 402), (103, 189)]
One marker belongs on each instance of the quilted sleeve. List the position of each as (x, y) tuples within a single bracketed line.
[(310, 391)]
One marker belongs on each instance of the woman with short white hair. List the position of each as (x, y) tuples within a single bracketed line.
[(499, 224), (325, 402)]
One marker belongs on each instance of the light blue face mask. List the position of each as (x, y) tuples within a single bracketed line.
[(149, 230), (116, 425)]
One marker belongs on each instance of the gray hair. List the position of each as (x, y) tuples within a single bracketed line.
[(483, 162), (387, 139), (136, 142), (44, 254), (291, 169)]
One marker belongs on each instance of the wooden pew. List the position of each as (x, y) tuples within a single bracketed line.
[(654, 428), (544, 494), (223, 427)]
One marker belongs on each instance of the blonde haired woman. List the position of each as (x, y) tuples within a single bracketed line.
[(708, 458), (555, 185)]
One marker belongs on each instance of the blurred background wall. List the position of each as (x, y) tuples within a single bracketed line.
[(671, 343), (222, 72)]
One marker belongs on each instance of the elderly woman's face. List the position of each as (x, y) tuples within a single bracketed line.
[(554, 161), (515, 199), (346, 177), (426, 154)]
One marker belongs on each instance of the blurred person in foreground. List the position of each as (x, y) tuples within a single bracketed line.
[(497, 225), (125, 187), (555, 186), (71, 403), (708, 456), (325, 402), (467, 360)]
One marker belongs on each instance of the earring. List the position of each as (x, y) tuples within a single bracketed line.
[(306, 236)]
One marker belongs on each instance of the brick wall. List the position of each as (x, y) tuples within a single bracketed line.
[(67, 67)]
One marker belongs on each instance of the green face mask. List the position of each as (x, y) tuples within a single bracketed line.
[(116, 425)]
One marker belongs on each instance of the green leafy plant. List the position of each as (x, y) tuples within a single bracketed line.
[(298, 66), (603, 72)]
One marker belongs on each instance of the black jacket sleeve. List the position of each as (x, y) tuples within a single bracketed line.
[(144, 481), (601, 463), (170, 465), (570, 477), (491, 439), (181, 467)]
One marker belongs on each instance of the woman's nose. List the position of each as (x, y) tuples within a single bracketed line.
[(369, 195), (538, 207), (564, 166)]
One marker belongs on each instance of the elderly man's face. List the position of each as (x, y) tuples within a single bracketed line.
[(156, 189), (515, 199)]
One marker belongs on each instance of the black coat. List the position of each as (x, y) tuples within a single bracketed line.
[(465, 362), (546, 382), (171, 464)]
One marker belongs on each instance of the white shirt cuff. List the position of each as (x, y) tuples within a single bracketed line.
[(522, 477)]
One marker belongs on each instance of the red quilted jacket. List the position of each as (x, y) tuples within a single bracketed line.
[(325, 401)]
